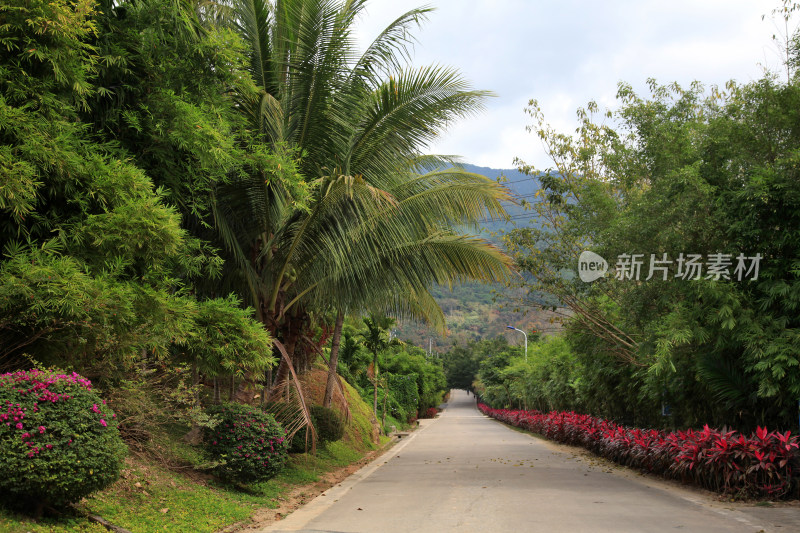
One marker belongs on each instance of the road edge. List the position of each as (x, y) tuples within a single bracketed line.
[(300, 517)]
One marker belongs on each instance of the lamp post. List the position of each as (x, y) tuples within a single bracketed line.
[(526, 340)]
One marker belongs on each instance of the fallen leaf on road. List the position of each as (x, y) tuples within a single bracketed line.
[(165, 510)]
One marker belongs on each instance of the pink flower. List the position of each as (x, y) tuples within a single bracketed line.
[(19, 425), (41, 429), (103, 422)]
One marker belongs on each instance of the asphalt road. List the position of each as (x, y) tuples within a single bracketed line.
[(468, 473)]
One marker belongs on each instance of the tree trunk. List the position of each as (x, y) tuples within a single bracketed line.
[(282, 374), (196, 384), (334, 361), (375, 385), (232, 394), (266, 386), (195, 435), (385, 396), (217, 398)]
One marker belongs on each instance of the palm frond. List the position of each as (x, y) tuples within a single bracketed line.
[(389, 50), (405, 113), (288, 404)]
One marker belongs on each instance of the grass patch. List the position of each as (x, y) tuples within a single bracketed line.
[(13, 523), (167, 442), (358, 432), (392, 421), (150, 498)]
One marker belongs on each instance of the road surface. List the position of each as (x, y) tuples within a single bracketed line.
[(465, 472)]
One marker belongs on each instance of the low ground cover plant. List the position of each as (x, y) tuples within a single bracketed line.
[(249, 444), (328, 422), (58, 439), (762, 464)]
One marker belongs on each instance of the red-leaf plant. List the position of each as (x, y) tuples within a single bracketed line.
[(762, 464)]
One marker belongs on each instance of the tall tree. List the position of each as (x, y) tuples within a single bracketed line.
[(684, 172), (376, 339), (374, 210), (96, 260)]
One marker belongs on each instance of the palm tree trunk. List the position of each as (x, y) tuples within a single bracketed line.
[(375, 385), (385, 396), (334, 361), (267, 384), (282, 374)]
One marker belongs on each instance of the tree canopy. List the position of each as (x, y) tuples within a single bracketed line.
[(684, 173)]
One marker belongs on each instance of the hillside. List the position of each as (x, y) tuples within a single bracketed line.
[(523, 188), (475, 310)]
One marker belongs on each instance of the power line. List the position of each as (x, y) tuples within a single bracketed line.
[(517, 181), (523, 216)]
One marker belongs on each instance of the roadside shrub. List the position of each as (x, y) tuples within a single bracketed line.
[(404, 390), (58, 440), (764, 463), (430, 412), (248, 442), (328, 423), (301, 441)]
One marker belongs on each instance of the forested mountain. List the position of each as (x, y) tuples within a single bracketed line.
[(476, 310), (523, 188)]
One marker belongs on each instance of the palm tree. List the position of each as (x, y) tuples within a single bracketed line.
[(379, 226), (376, 340)]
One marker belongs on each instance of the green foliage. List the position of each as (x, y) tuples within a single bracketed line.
[(328, 423), (494, 356), (250, 444), (53, 307), (58, 440), (461, 365), (406, 362), (227, 341), (404, 390), (682, 171)]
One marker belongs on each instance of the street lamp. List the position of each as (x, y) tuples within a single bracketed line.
[(526, 340)]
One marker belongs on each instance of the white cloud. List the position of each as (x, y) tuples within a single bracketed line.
[(567, 53)]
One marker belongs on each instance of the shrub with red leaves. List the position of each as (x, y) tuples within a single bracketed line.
[(765, 463), (431, 412)]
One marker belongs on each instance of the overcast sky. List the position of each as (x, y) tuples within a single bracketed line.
[(567, 52)]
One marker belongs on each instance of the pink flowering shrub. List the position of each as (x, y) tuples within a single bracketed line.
[(58, 439), (250, 445), (765, 463)]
